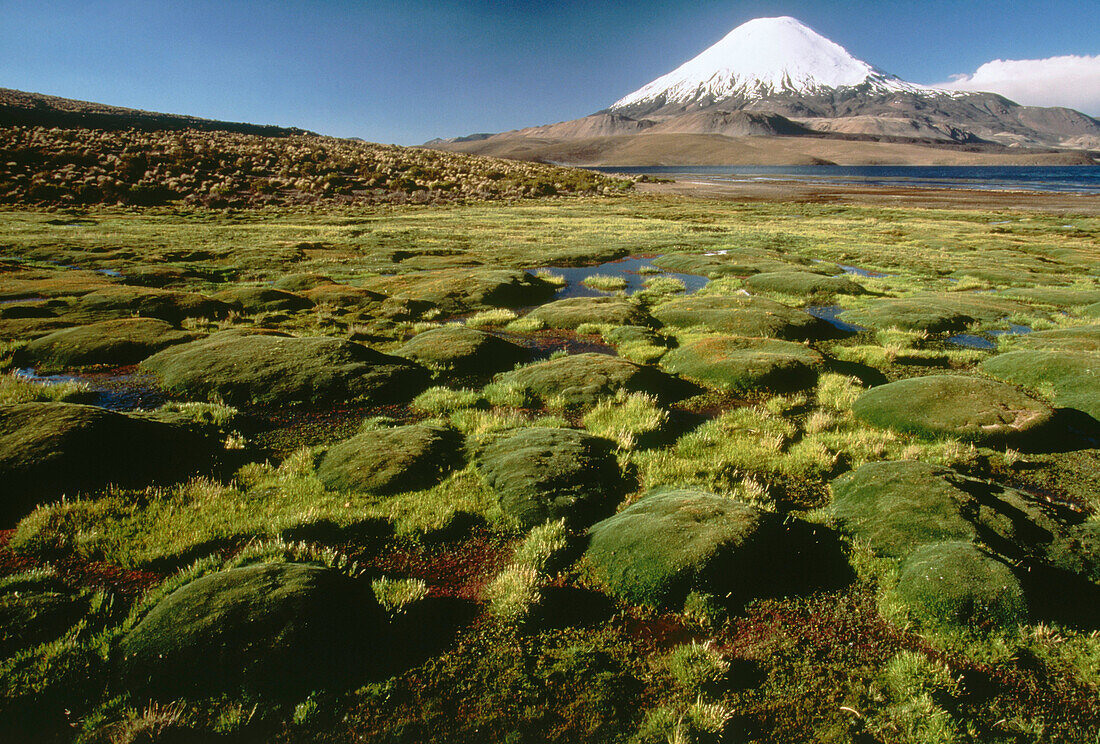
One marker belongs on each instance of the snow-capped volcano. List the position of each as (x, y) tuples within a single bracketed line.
[(775, 91), (761, 58)]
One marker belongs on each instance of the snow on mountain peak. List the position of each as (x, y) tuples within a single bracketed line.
[(765, 56)]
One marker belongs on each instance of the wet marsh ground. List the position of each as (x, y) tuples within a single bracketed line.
[(706, 373)]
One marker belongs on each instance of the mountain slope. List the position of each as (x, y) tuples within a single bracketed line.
[(687, 149), (775, 77)]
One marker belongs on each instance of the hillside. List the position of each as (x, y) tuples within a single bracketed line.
[(227, 169), (20, 108)]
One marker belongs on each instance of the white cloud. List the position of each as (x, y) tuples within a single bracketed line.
[(1071, 80)]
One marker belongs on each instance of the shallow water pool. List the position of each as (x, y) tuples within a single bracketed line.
[(634, 270)]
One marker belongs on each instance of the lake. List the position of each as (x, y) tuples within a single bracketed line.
[(1070, 179)]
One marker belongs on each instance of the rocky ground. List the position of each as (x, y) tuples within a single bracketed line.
[(775, 472)]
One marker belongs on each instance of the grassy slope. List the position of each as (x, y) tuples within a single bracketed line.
[(226, 169)]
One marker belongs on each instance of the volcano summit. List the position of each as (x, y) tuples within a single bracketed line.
[(758, 60), (777, 78)]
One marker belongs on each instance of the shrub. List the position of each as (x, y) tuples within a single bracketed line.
[(899, 506), (1071, 377)]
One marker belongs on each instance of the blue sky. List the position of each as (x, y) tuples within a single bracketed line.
[(408, 71)]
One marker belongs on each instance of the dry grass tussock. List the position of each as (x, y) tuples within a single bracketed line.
[(225, 169)]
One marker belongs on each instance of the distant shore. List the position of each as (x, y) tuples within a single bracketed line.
[(800, 191)]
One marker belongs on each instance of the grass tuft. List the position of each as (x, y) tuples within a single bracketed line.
[(605, 283), (395, 595), (491, 318), (626, 418)]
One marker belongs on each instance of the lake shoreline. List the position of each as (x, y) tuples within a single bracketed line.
[(896, 196)]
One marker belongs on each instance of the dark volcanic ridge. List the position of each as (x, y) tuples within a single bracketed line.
[(20, 108)]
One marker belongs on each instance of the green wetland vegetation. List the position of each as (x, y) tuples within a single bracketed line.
[(329, 473)]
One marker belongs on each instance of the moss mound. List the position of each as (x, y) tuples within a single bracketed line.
[(934, 312), (956, 585), (270, 369), (899, 506), (802, 284), (575, 311), (728, 264), (162, 276), (969, 408), (125, 302), (342, 295), (582, 379), (36, 609), (457, 291), (1056, 296), (463, 351), (405, 458), (404, 308), (909, 315), (254, 300), (282, 629), (26, 310), (1073, 375), (742, 316), (1077, 551), (29, 328), (117, 342), (50, 449), (542, 474), (671, 542), (301, 282), (1080, 338), (632, 334), (1005, 277), (742, 364)]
